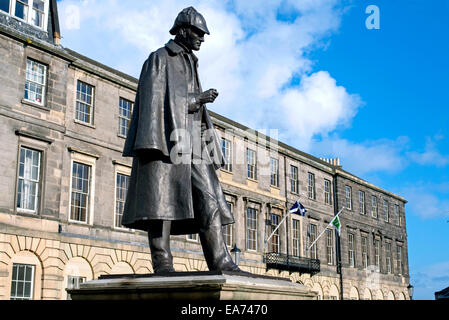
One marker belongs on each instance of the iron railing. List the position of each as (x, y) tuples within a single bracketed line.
[(281, 261)]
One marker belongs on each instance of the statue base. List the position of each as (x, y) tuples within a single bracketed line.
[(222, 285)]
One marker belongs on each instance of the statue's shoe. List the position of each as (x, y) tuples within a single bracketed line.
[(163, 268)]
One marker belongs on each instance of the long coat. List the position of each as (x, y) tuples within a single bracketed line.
[(160, 189)]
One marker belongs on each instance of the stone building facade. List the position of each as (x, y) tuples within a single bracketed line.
[(63, 120)]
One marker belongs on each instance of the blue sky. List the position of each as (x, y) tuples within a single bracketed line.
[(377, 99)]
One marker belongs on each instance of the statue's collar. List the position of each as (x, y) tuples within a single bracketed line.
[(177, 48)]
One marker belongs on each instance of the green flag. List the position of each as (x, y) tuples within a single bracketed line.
[(337, 224)]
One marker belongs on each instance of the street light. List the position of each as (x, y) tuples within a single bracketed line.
[(236, 251), (410, 289)]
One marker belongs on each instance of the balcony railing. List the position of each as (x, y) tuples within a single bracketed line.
[(282, 261)]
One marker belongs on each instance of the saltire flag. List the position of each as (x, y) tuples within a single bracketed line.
[(337, 224), (298, 208)]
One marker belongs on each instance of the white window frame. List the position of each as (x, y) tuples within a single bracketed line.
[(89, 161), (274, 172), (125, 171), (296, 237), (294, 179), (362, 207), (351, 249), (33, 268), (377, 257), (365, 250), (275, 241), (396, 214), (348, 197), (311, 192), (251, 161), (250, 231), (386, 211), (399, 258), (330, 246), (313, 233), (374, 206), (28, 20), (327, 192), (91, 106), (192, 237), (226, 146), (44, 84), (38, 181), (388, 266), (121, 116)]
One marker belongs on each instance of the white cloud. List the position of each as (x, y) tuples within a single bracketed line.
[(430, 279), (317, 106), (364, 157), (428, 200), (431, 155), (250, 56)]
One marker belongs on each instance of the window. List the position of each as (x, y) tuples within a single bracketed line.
[(374, 206), (296, 238), (330, 246), (193, 237), (274, 172), (362, 202), (35, 83), (274, 243), (74, 283), (251, 229), (400, 266), (388, 257), (327, 192), (22, 282), (228, 229), (377, 254), (348, 195), (386, 211), (365, 258), (312, 238), (29, 177), (311, 186), (4, 5), (121, 189), (251, 163), (351, 250), (80, 192), (293, 179), (396, 213), (226, 147), (125, 109), (84, 102), (33, 12)]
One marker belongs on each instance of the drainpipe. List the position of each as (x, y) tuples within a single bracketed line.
[(337, 237)]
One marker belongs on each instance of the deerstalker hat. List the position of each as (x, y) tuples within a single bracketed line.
[(189, 17)]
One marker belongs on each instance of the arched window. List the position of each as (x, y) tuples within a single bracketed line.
[(25, 276)]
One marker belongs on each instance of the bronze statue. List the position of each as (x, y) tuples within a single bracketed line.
[(166, 196)]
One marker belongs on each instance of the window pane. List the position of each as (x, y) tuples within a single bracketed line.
[(38, 4), (121, 191), (4, 5), (21, 10)]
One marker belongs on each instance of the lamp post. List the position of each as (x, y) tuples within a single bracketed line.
[(236, 252), (410, 289)]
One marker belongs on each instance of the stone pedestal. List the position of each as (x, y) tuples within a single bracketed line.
[(192, 286)]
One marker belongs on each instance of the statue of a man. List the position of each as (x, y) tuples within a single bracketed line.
[(176, 197)]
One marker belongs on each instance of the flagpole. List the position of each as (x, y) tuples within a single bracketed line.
[(280, 223), (325, 229)]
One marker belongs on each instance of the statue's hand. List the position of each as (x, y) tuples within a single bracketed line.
[(208, 96)]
